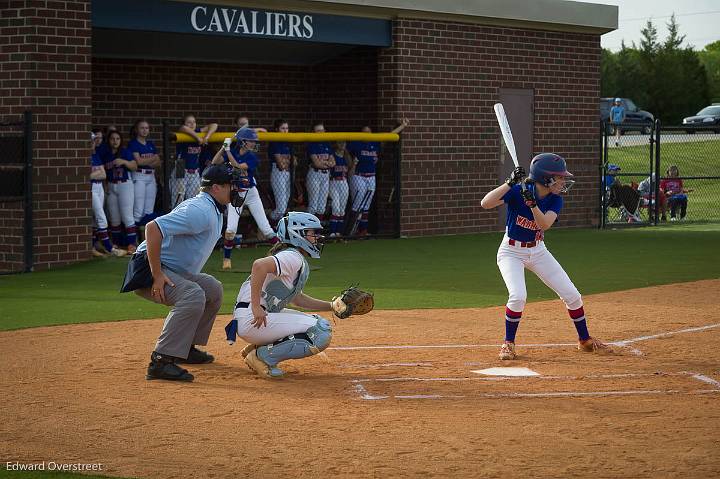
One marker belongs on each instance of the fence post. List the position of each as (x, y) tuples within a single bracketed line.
[(28, 226), (398, 185), (604, 150), (166, 166), (656, 185)]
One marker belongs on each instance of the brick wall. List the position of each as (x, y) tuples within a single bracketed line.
[(45, 57), (446, 76)]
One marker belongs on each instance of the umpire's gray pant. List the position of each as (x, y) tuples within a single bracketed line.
[(196, 300)]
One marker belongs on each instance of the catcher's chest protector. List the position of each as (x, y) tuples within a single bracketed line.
[(277, 295)]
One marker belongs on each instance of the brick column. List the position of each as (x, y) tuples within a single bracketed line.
[(45, 50)]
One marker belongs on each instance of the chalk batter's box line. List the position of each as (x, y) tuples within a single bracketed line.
[(359, 388), (623, 343)]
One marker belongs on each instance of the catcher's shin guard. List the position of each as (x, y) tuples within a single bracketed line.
[(296, 346)]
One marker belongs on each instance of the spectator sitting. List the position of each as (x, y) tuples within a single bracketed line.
[(611, 176), (672, 186), (646, 189)]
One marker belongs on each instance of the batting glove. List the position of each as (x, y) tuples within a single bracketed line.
[(516, 176), (529, 198)]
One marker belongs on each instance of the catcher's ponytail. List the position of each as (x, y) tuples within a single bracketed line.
[(277, 247)]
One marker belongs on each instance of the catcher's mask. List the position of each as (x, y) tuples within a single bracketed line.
[(546, 166), (245, 136), (293, 229), (237, 193)]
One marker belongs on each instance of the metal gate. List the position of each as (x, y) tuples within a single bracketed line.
[(671, 175)]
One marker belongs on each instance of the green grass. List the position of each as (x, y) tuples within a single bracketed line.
[(696, 158), (438, 272)]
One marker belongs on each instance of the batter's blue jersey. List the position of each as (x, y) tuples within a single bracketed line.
[(190, 152), (366, 153), (147, 149), (278, 148), (520, 224), (247, 178)]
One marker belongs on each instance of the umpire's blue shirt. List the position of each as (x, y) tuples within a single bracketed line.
[(190, 233)]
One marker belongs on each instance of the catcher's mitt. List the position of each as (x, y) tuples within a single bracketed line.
[(352, 301)]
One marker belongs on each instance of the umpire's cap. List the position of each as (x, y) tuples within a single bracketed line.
[(216, 175)]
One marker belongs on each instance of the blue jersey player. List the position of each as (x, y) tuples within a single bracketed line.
[(531, 211)]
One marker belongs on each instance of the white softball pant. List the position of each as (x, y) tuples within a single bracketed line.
[(183, 188), (318, 184), (279, 325), (145, 190), (338, 196), (280, 182), (360, 186), (121, 197), (512, 261), (98, 202), (257, 210)]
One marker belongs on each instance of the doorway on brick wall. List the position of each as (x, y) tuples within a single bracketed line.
[(519, 108)]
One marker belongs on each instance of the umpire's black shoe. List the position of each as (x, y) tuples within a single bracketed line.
[(195, 356), (164, 367)]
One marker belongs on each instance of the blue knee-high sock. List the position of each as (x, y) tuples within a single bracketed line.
[(102, 234), (116, 233), (227, 248), (578, 317), (512, 321)]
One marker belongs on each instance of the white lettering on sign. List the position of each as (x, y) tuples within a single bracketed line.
[(251, 22)]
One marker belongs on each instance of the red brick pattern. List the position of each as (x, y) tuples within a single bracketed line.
[(446, 76), (45, 68)]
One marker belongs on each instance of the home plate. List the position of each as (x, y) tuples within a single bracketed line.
[(506, 372)]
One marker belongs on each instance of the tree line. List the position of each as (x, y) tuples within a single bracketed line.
[(668, 79)]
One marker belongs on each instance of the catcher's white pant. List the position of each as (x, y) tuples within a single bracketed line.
[(512, 261), (317, 184), (286, 322), (338, 196), (280, 182), (257, 210), (120, 199), (184, 188), (145, 190), (360, 185), (98, 202)]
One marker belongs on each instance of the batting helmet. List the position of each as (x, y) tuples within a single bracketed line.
[(545, 166), (244, 135), (293, 227)]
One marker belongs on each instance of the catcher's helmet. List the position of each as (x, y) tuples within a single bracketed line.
[(293, 227), (545, 166), (244, 135)]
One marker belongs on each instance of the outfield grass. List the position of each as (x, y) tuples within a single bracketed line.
[(438, 272), (696, 158)]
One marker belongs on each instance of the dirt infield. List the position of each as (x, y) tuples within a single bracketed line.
[(78, 394)]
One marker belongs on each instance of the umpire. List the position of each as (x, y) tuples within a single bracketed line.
[(166, 269)]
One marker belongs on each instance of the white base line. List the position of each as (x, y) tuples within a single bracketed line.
[(621, 343), (540, 378), (365, 395)]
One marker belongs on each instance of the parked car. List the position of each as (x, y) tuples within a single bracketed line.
[(635, 118), (706, 119)]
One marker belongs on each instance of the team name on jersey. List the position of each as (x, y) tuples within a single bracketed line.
[(194, 150), (523, 222), (372, 153)]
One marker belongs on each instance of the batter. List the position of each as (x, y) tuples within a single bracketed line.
[(531, 212)]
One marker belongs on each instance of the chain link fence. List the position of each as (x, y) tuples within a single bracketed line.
[(670, 175)]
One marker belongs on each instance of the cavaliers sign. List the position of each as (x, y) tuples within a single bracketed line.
[(205, 19)]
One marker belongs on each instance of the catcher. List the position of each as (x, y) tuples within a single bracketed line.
[(274, 332)]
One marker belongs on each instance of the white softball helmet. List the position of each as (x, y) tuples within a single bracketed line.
[(293, 227)]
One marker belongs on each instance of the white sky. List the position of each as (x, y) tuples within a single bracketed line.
[(699, 20)]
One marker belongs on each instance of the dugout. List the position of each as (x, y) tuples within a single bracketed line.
[(84, 63)]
